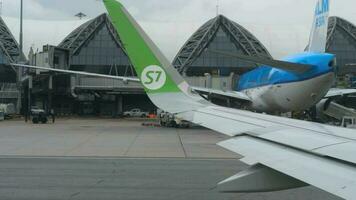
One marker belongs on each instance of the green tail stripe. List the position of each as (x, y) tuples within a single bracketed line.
[(138, 50)]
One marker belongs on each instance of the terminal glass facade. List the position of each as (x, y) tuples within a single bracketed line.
[(93, 47), (344, 46), (342, 43), (223, 64), (7, 73), (220, 34), (102, 54)]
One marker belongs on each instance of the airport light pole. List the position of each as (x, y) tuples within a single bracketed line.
[(20, 71), (21, 28)]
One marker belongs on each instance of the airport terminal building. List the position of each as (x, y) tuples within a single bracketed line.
[(93, 47), (342, 43), (202, 67), (96, 47), (197, 62), (9, 53)]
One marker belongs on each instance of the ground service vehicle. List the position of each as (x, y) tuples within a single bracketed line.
[(38, 115), (2, 116), (349, 122), (170, 120), (9, 110), (136, 113)]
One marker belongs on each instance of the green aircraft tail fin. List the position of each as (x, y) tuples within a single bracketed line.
[(154, 70), (164, 85)]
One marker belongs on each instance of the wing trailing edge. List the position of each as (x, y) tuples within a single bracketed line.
[(327, 174)]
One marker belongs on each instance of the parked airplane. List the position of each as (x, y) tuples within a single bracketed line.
[(275, 89), (295, 83), (284, 153)]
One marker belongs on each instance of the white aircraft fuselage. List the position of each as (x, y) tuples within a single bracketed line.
[(277, 90), (288, 97)]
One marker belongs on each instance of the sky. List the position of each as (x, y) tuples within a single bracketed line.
[(283, 26)]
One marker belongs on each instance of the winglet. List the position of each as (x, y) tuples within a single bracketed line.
[(318, 36), (163, 84), (148, 61)]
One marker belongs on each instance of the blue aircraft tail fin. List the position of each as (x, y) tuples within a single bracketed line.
[(318, 36)]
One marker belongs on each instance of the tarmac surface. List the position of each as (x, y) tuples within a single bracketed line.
[(114, 159), (108, 138)]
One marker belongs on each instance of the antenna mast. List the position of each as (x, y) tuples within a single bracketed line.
[(217, 7), (80, 15), (0, 7)]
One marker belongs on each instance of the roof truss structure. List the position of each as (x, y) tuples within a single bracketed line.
[(337, 22), (9, 45), (194, 47), (75, 40)]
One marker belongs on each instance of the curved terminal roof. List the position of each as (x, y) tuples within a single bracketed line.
[(76, 39), (342, 42), (96, 47), (8, 44), (219, 33), (9, 53)]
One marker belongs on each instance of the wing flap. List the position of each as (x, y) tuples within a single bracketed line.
[(306, 140), (343, 151), (225, 122), (320, 144), (330, 175), (229, 125), (271, 123)]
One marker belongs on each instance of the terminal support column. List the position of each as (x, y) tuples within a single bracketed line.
[(119, 105), (29, 94), (50, 93)]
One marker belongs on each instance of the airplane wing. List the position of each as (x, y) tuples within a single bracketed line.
[(284, 65), (284, 153), (229, 94), (133, 79), (290, 153), (334, 92)]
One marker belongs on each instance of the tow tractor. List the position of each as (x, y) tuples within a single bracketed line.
[(170, 120), (38, 115)]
